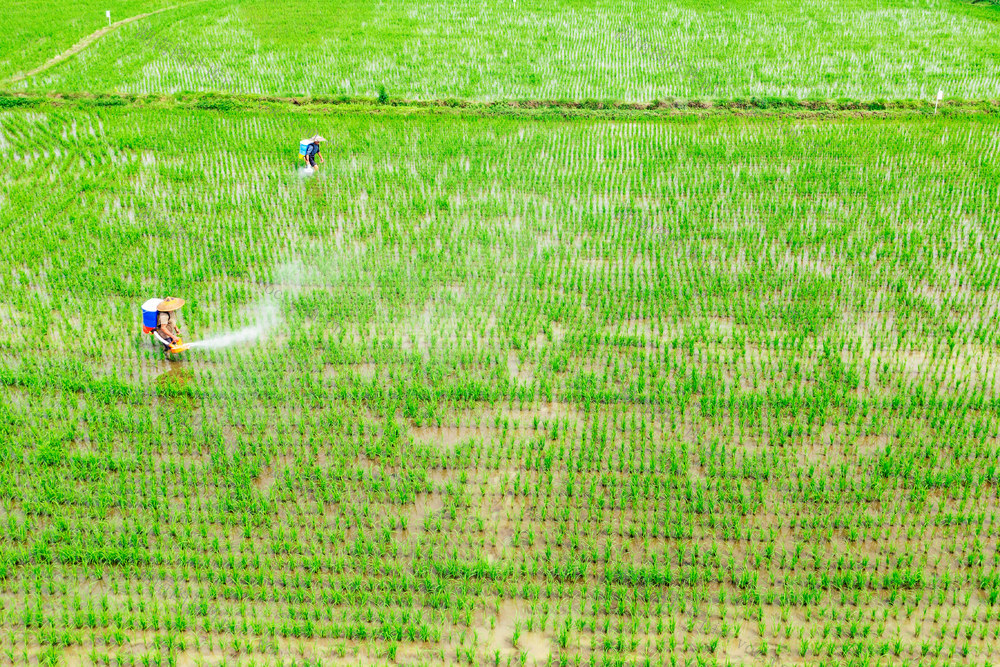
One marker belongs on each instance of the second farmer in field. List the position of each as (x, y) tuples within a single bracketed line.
[(309, 149)]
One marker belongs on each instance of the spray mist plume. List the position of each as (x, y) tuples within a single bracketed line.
[(266, 313)]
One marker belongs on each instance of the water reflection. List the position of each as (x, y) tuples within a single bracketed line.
[(177, 376)]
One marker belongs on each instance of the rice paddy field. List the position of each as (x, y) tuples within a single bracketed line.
[(654, 391), (609, 333), (626, 50)]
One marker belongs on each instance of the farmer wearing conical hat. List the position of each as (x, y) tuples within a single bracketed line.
[(166, 322), (312, 150)]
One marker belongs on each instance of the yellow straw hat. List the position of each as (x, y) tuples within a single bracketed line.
[(169, 304)]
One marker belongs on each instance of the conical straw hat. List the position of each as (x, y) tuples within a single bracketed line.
[(169, 304)]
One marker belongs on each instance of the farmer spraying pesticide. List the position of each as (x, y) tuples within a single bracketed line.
[(309, 150), (159, 318)]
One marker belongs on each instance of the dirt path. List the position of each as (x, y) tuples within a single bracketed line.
[(82, 44)]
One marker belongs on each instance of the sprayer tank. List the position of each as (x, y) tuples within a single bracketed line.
[(149, 314)]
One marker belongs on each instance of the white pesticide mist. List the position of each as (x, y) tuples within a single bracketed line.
[(266, 312), (266, 317), (306, 172)]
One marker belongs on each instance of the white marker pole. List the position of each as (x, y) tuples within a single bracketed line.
[(938, 100), (107, 13)]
